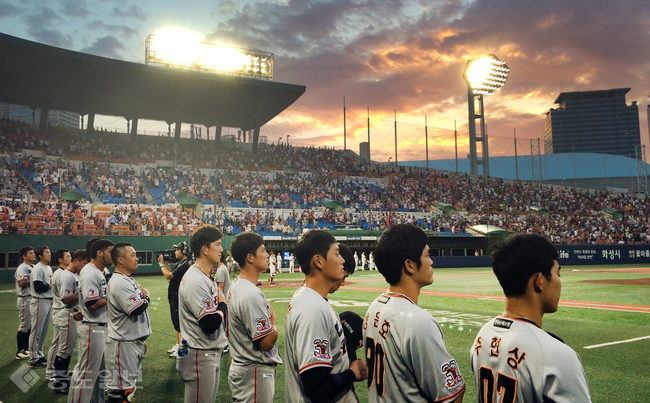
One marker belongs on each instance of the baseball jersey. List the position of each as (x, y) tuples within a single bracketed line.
[(523, 363), (197, 297), (223, 276), (41, 272), (92, 287), (68, 284), (313, 337), (23, 272), (249, 321), (124, 295), (406, 355), (56, 291)]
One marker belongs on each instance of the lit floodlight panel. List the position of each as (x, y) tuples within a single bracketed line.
[(486, 74), (184, 52)]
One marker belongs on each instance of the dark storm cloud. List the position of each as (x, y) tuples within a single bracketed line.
[(52, 37), (42, 26), (8, 10), (74, 8), (99, 26), (410, 57), (108, 46), (131, 12)]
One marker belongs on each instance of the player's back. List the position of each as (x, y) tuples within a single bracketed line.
[(406, 355), (519, 362)]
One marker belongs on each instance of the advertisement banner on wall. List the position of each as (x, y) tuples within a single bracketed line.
[(603, 254)]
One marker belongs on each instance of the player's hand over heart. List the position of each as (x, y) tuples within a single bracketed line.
[(360, 369)]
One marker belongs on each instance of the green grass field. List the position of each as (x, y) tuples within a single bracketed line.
[(618, 372)]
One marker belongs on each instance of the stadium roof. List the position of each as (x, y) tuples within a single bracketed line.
[(39, 75)]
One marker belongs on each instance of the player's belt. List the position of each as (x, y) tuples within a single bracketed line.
[(93, 323), (42, 298)]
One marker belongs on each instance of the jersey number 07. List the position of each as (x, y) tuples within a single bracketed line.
[(504, 386)]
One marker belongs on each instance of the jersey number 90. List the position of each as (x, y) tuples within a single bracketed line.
[(504, 386), (376, 368)]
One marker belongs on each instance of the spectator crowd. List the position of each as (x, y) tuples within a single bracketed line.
[(248, 191)]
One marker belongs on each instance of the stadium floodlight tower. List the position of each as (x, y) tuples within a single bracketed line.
[(483, 75)]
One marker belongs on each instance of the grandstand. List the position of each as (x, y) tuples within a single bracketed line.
[(258, 195)]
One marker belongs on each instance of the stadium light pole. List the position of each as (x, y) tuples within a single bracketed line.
[(483, 75)]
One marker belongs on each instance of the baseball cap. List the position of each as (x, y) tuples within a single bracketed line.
[(353, 330)]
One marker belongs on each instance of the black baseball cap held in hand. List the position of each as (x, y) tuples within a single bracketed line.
[(353, 330)]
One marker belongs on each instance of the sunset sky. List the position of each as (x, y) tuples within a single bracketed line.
[(386, 55)]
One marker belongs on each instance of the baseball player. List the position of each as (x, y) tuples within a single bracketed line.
[(363, 260), (348, 267), (292, 258), (404, 346), (278, 262), (272, 268), (106, 271), (512, 355), (23, 298), (128, 325), (63, 257), (181, 252), (371, 262), (222, 278), (316, 356), (252, 330), (86, 383), (40, 287), (202, 311), (66, 285), (352, 323)]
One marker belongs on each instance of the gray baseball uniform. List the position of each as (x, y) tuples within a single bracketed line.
[(313, 338), (199, 369), (40, 310), (126, 332), (406, 355), (252, 371), (86, 384), (522, 363), (23, 297), (68, 284), (57, 305), (223, 276)]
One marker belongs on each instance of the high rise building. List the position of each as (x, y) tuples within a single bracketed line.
[(593, 121), (54, 117)]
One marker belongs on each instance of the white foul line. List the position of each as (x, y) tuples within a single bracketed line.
[(618, 342)]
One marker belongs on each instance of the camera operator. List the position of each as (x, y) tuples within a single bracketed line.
[(181, 253)]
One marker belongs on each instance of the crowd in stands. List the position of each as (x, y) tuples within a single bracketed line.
[(383, 196), (114, 185)]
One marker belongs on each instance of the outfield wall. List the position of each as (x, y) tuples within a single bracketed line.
[(146, 245), (569, 255), (603, 254)]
